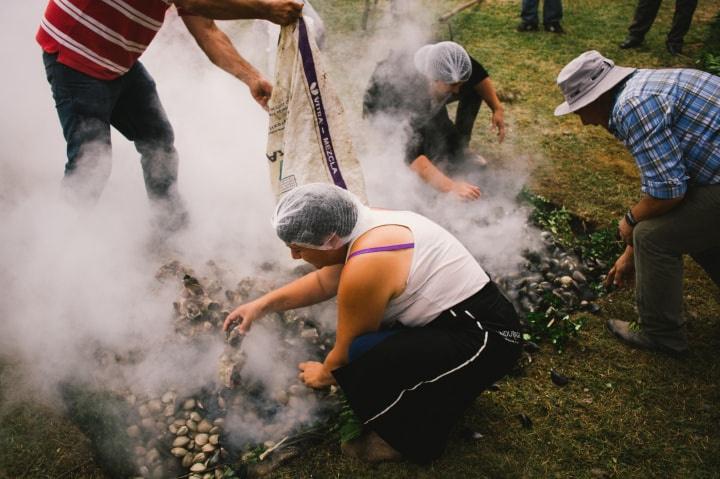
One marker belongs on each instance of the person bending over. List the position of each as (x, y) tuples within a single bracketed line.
[(417, 87), (421, 328), (669, 120)]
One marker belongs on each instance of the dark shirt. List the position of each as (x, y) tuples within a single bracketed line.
[(398, 89)]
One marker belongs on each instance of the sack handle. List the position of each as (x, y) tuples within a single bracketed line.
[(320, 116)]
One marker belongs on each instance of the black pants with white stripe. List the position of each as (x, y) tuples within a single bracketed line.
[(412, 388)]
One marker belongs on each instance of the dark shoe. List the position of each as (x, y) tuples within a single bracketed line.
[(554, 27), (632, 335), (631, 42), (674, 48), (527, 27)]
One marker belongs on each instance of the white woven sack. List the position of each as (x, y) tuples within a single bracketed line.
[(308, 140)]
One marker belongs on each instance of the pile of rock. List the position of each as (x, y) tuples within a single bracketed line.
[(554, 281), (171, 436), (174, 436)]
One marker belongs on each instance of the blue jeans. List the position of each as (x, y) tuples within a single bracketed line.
[(87, 107), (552, 11)]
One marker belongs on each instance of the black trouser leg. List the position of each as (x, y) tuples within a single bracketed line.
[(645, 14), (684, 10), (441, 140), (467, 112)]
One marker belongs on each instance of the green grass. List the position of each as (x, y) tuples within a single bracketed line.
[(710, 54), (625, 413), (36, 441)]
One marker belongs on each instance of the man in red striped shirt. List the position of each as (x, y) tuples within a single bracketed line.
[(91, 50)]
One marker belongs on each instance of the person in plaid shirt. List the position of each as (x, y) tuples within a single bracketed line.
[(670, 121)]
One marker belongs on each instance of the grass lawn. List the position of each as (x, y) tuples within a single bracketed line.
[(625, 413)]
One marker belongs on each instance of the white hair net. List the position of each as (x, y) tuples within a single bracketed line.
[(317, 216), (444, 61)]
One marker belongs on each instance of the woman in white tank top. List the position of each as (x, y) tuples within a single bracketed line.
[(421, 328)]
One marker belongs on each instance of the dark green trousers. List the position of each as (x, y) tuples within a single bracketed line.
[(693, 227), (647, 10)]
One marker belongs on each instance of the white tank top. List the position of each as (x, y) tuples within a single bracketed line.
[(442, 273)]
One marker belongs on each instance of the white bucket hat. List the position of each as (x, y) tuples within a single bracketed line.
[(584, 79)]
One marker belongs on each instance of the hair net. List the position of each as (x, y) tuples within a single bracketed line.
[(317, 216), (444, 61)]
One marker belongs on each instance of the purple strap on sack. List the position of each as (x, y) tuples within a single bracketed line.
[(392, 247), (320, 117)]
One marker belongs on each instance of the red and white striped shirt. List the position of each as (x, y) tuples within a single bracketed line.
[(101, 38)]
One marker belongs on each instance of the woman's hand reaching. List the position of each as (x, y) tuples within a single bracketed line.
[(315, 375), (466, 191), (243, 316)]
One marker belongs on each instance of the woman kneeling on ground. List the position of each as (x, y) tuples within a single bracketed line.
[(421, 328)]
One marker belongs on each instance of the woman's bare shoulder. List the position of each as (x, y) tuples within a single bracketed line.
[(384, 235)]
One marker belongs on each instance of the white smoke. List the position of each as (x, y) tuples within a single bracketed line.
[(74, 281), (494, 229)]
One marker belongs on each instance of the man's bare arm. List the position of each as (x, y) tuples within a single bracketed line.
[(220, 50), (487, 92), (282, 12), (431, 175), (645, 209), (649, 207)]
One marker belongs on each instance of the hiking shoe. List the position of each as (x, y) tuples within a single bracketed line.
[(554, 27), (632, 335), (527, 27), (631, 42)]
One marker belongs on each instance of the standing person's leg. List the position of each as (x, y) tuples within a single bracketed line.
[(529, 16), (140, 116), (659, 244), (658, 288), (467, 111), (684, 10), (84, 105), (645, 14), (465, 116), (552, 14)]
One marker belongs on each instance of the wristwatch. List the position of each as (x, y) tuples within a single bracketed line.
[(630, 219)]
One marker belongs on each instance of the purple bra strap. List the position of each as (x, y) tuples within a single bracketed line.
[(392, 247)]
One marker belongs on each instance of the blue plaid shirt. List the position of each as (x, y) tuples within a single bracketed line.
[(670, 122)]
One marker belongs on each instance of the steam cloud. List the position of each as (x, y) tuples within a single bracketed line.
[(75, 280)]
